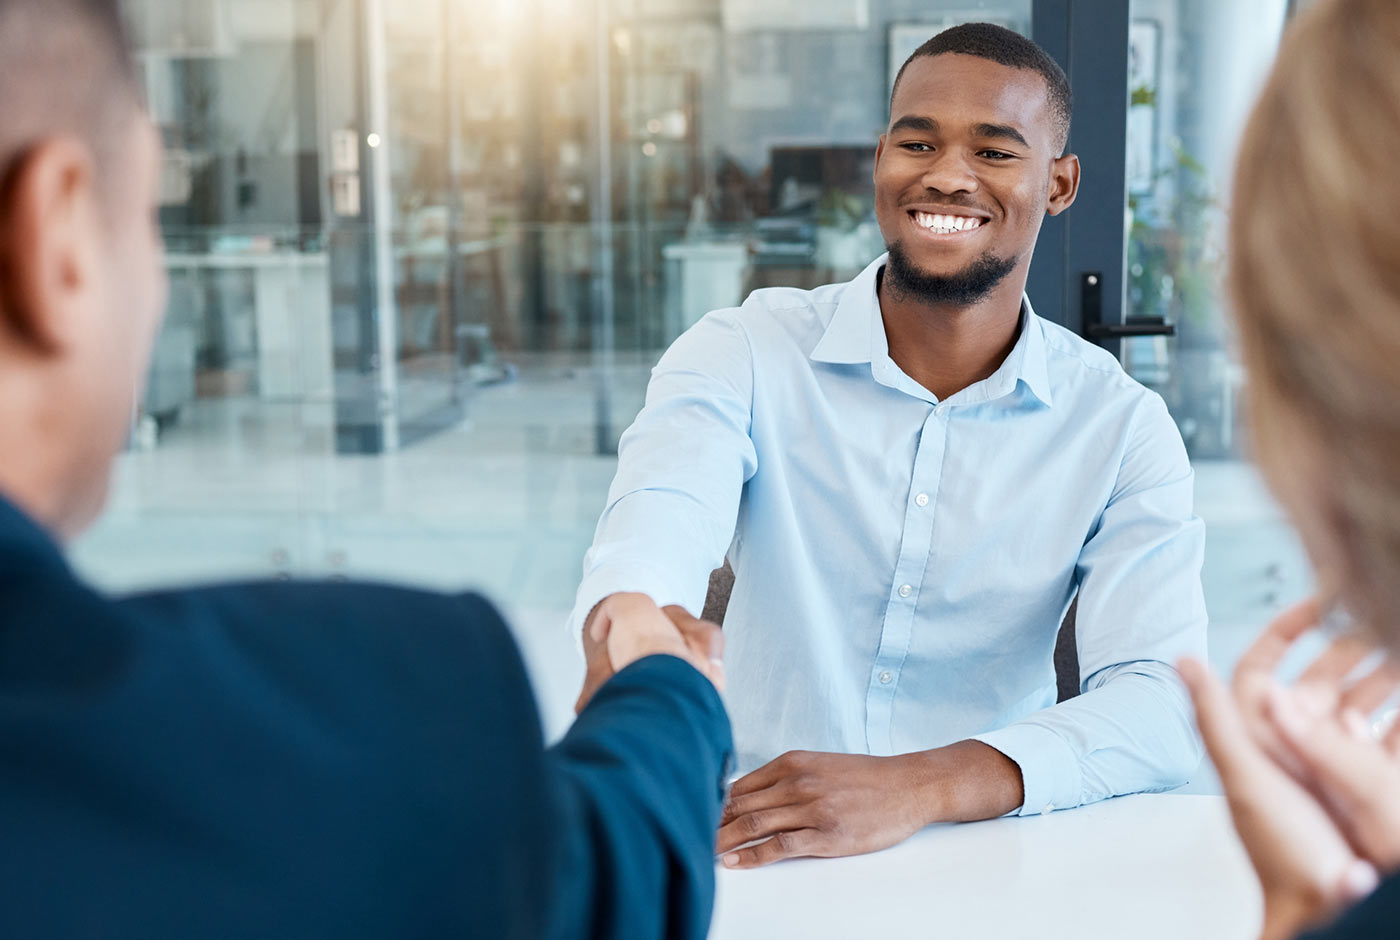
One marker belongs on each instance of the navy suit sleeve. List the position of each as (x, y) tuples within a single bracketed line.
[(642, 772), (336, 760)]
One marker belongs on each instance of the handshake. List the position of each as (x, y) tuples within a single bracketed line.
[(624, 628)]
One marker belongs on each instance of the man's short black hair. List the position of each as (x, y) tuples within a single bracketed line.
[(1005, 47)]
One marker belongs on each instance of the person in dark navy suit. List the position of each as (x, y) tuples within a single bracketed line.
[(276, 760)]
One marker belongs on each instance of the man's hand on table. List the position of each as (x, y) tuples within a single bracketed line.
[(1311, 789), (816, 804), (626, 627)]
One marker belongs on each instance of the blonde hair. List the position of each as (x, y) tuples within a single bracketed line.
[(1315, 284)]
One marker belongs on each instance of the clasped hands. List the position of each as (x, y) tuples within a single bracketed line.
[(1313, 786), (800, 804), (624, 628)]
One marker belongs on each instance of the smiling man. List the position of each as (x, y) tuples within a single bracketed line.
[(913, 476)]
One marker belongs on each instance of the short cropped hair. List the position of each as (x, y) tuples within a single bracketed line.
[(1005, 47), (66, 69)]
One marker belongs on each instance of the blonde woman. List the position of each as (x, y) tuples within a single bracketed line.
[(1312, 778)]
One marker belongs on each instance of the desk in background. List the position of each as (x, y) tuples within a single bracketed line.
[(1148, 867), (292, 317)]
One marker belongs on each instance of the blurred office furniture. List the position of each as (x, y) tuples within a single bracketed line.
[(455, 308), (170, 384), (803, 176), (291, 316), (700, 277), (819, 222), (785, 252)]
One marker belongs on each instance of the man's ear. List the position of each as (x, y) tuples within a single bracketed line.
[(1064, 184), (49, 242), (879, 152)]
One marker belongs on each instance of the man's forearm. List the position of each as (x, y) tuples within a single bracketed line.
[(964, 782), (1083, 750)]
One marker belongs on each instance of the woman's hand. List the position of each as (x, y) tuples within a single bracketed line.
[(1311, 799), (1349, 764)]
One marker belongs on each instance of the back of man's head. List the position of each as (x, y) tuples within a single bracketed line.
[(1005, 47), (81, 285), (66, 70)]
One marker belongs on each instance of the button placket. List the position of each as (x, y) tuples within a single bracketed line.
[(911, 564)]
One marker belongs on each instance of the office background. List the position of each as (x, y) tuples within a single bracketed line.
[(423, 255)]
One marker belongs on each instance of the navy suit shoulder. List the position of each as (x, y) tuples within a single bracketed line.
[(268, 759), (339, 760)]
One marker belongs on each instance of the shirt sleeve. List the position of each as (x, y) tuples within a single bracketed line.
[(1140, 608), (641, 774), (682, 466)]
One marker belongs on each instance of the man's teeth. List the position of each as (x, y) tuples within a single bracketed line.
[(946, 224)]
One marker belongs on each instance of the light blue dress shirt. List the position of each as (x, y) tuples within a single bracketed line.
[(902, 564)]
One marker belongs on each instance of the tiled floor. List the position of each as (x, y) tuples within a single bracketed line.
[(506, 503)]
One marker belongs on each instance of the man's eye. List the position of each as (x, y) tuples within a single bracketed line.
[(916, 147), (997, 155)]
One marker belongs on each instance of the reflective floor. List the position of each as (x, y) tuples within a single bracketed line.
[(505, 503)]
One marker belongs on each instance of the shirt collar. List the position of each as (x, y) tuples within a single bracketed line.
[(1026, 361), (855, 330), (847, 336)]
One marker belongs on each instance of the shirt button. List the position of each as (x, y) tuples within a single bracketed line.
[(905, 590), (921, 499), (1047, 809), (886, 678)]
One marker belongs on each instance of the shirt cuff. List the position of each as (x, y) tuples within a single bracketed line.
[(1050, 775), (616, 579)]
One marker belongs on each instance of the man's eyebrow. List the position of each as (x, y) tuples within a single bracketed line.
[(927, 125), (1002, 132), (911, 122)]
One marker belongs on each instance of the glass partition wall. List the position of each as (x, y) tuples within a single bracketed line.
[(424, 254), (1194, 69)]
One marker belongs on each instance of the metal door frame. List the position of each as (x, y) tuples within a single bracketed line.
[(1086, 246)]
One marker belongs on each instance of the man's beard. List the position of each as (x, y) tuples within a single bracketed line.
[(961, 289)]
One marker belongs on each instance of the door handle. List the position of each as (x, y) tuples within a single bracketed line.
[(1091, 315)]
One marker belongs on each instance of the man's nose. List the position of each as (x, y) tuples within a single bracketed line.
[(948, 173)]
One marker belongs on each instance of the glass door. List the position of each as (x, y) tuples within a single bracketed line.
[(1194, 67), (1151, 287)]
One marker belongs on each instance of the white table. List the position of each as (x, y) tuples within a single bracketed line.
[(1150, 867)]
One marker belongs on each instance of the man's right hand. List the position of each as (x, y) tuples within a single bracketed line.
[(626, 627)]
